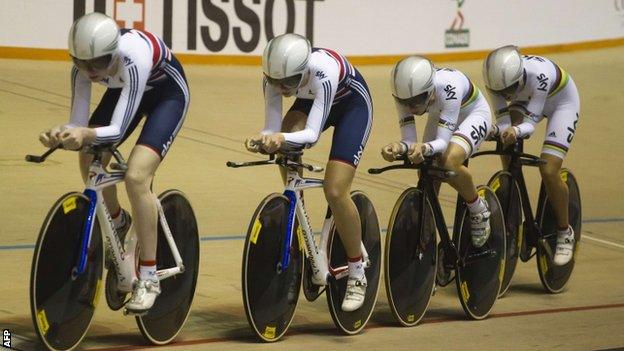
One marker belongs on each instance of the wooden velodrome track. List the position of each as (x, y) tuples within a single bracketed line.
[(226, 107)]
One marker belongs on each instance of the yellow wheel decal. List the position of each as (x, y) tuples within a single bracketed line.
[(564, 176), (544, 263), (269, 332), (481, 193), (98, 289), (464, 291), (255, 231), (42, 321), (69, 204), (495, 184)]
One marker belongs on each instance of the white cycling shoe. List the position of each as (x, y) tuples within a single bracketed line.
[(354, 296), (565, 247), (143, 296), (480, 227)]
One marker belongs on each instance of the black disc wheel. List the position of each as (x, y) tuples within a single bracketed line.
[(508, 194), (410, 257), (62, 302), (353, 322), (480, 270), (554, 278), (271, 291), (166, 318)]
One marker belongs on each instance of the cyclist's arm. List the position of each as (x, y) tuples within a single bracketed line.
[(324, 92), (531, 113), (501, 111), (81, 97), (135, 75), (532, 107), (447, 123), (407, 124), (272, 109)]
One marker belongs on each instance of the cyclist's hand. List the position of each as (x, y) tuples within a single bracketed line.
[(273, 142), (50, 137), (74, 138), (509, 136), (416, 153), (253, 144), (391, 151)]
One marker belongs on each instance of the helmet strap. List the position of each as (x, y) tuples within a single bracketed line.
[(304, 78), (113, 67)]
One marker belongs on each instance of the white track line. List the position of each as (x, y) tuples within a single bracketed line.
[(602, 241)]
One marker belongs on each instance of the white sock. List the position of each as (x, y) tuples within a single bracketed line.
[(566, 231), (356, 268), (476, 206), (148, 273)]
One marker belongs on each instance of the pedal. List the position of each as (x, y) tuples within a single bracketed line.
[(367, 263), (311, 291), (127, 312)]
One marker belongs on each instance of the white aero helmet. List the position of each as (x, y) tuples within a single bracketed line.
[(412, 81), (93, 35), (503, 70), (286, 56)]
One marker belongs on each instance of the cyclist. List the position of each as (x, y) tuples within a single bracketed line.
[(329, 92), (529, 88), (142, 78), (458, 122)]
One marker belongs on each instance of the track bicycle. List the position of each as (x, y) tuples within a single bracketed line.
[(281, 254), (414, 261), (527, 234), (68, 261)]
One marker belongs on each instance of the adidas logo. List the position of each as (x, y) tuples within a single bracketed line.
[(552, 134)]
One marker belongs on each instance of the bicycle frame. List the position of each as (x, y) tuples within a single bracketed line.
[(317, 254), (425, 184), (295, 184), (533, 233), (122, 259)]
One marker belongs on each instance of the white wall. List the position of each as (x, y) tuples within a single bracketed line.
[(354, 27)]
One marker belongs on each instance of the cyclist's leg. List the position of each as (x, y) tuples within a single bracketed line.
[(465, 140), (352, 121), (559, 134), (556, 189), (337, 186), (166, 108), (453, 159), (155, 140)]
